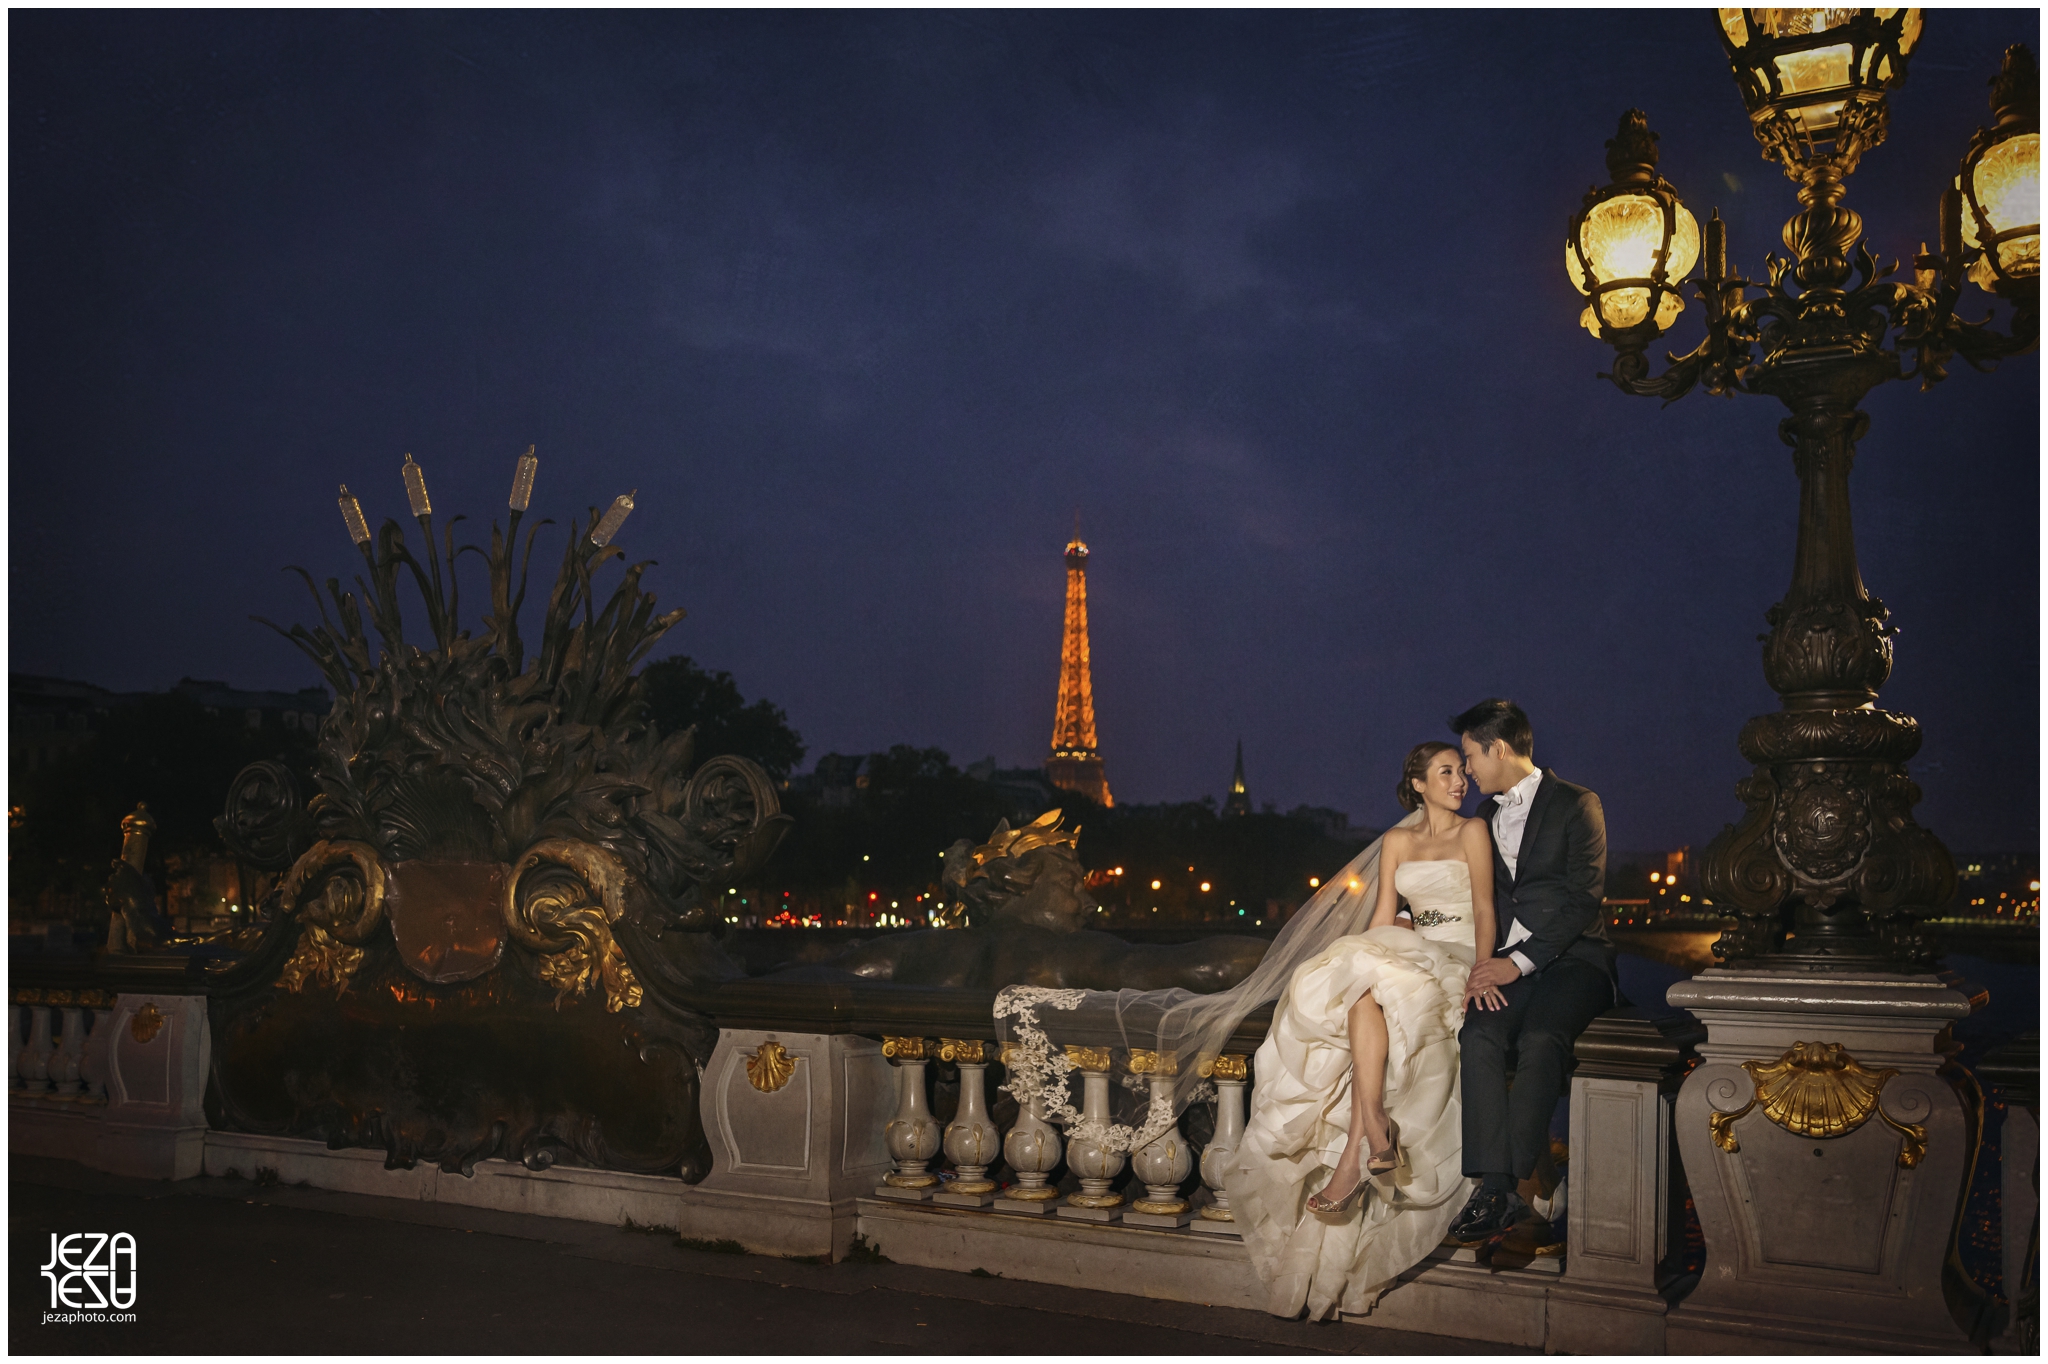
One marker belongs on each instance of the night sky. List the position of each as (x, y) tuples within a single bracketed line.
[(866, 305)]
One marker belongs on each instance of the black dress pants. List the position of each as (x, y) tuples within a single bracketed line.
[(1506, 1131)]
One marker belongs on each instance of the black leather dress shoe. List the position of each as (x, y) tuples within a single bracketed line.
[(1486, 1215)]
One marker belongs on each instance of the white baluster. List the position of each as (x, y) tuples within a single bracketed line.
[(35, 1053), (1229, 1074), (1033, 1149), (971, 1139), (1096, 1165), (17, 1031), (1165, 1161), (92, 1070), (912, 1135), (70, 1052)]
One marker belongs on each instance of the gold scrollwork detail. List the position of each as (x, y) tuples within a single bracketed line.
[(903, 1048), (340, 919), (1913, 1146), (971, 1050), (1224, 1067), (146, 1024), (572, 936), (1088, 1058), (770, 1067), (96, 999), (28, 996), (1145, 1062), (1722, 1127), (63, 998)]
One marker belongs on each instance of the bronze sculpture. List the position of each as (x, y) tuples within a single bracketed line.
[(134, 923), (1021, 902), (469, 948)]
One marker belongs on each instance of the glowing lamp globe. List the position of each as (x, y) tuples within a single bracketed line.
[(1631, 243), (1814, 80), (2000, 183)]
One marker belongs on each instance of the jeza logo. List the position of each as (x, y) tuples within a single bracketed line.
[(91, 1269)]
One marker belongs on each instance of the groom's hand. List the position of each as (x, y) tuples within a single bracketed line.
[(1494, 971)]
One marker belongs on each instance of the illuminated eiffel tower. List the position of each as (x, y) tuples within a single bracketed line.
[(1075, 765)]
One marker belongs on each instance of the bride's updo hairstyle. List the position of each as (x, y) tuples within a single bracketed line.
[(1417, 768)]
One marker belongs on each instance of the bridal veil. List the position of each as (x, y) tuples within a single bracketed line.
[(1039, 1023)]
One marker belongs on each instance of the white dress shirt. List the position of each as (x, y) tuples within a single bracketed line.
[(1510, 822)]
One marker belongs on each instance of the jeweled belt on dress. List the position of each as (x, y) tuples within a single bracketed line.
[(1430, 918)]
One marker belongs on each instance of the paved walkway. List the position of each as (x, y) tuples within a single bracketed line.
[(228, 1267)]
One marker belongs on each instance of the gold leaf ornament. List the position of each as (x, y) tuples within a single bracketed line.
[(573, 936), (770, 1067)]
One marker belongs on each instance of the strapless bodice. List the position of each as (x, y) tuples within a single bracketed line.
[(1439, 893)]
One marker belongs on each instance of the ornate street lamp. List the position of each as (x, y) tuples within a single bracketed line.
[(1827, 855)]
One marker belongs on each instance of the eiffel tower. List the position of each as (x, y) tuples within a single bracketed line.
[(1075, 765)]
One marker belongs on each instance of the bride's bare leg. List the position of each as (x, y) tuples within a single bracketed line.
[(1368, 1132)]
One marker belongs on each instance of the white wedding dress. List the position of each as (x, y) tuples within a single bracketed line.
[(1301, 1106)]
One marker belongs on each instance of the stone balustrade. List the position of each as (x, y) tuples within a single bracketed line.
[(1034, 1149), (58, 1044), (819, 1106)]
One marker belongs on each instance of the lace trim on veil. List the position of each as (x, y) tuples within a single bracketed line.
[(1039, 1071)]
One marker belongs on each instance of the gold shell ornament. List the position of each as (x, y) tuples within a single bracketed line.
[(1818, 1090), (146, 1024), (770, 1067)]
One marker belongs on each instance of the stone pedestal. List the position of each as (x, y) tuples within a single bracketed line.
[(796, 1123), (158, 1054), (1826, 1157), (1626, 1213)]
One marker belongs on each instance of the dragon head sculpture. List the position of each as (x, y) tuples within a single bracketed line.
[(1031, 875)]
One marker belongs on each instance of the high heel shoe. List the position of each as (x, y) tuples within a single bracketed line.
[(1323, 1206), (1385, 1161)]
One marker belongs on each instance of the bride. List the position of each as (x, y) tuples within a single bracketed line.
[(1358, 1075)]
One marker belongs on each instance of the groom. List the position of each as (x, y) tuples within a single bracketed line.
[(1552, 961)]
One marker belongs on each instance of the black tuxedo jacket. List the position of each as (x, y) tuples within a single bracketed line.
[(1558, 880)]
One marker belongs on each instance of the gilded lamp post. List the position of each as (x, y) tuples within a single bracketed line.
[(1827, 867)]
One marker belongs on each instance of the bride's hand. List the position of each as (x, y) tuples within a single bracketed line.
[(1486, 997)]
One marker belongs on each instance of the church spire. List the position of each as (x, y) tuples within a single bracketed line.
[(1075, 765), (1238, 802)]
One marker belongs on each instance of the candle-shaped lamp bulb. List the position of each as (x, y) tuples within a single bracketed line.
[(522, 481), (352, 517), (416, 489), (615, 516)]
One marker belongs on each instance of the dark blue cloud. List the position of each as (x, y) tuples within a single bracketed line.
[(864, 305)]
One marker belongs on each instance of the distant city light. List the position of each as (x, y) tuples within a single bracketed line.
[(1655, 877), (1205, 885), (1155, 885), (1314, 881)]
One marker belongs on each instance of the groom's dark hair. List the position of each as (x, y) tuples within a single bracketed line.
[(1497, 718)]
